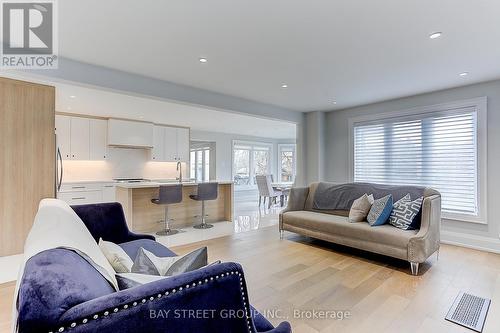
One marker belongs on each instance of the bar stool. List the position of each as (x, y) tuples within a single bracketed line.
[(206, 191), (168, 194)]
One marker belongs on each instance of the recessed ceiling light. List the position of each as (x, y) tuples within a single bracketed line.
[(203, 60), (464, 74), (69, 107), (334, 102), (72, 96), (435, 35), (284, 86)]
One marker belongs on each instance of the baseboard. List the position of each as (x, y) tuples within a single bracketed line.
[(471, 241)]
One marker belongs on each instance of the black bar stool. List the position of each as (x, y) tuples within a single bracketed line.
[(168, 194), (206, 191)]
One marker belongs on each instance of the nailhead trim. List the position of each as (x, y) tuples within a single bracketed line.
[(173, 291)]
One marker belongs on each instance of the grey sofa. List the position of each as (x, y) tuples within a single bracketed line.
[(302, 216)]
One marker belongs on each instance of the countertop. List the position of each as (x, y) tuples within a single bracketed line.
[(153, 184)]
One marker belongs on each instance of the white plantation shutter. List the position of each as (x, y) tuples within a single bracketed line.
[(437, 150)]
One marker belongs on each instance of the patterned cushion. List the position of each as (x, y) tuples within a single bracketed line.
[(380, 211), (404, 212)]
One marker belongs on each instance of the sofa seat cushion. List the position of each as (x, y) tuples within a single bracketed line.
[(340, 226), (132, 248)]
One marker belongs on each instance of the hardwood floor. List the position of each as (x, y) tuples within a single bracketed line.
[(380, 295)]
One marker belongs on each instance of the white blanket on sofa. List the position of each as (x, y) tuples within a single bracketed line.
[(57, 225)]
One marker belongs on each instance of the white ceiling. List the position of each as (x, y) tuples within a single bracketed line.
[(351, 51), (103, 103)]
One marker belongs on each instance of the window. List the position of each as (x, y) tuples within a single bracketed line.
[(250, 159), (286, 160), (200, 162), (438, 149)]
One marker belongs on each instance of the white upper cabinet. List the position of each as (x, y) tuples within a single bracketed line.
[(127, 133), (183, 144), (80, 136), (98, 139), (63, 130), (158, 151), (171, 144)]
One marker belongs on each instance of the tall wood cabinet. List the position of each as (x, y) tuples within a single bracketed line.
[(27, 158)]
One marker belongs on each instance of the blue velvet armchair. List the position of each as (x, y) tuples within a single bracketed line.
[(60, 291)]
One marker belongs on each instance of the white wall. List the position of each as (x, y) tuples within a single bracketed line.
[(470, 234), (315, 141), (224, 151), (121, 163)]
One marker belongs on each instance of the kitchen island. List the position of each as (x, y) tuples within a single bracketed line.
[(144, 216)]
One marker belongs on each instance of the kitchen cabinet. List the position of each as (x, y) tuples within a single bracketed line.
[(81, 197), (98, 148), (87, 192), (80, 138), (157, 152), (27, 160), (63, 130), (183, 144), (171, 144), (128, 133), (108, 193)]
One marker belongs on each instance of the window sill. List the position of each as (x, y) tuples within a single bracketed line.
[(464, 218)]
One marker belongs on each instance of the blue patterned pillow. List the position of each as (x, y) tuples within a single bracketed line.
[(380, 211), (404, 212)]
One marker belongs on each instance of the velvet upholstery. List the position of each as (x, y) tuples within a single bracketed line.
[(107, 220), (53, 282), (60, 289)]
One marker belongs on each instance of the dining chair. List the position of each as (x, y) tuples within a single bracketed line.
[(266, 189)]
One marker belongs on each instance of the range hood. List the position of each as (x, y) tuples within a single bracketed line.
[(130, 134)]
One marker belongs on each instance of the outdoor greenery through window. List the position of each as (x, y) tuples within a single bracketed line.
[(287, 163), (249, 160), (437, 150)]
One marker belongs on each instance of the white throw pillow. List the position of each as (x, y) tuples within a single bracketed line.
[(360, 208), (117, 257)]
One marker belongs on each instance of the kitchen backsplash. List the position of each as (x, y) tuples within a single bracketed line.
[(121, 163)]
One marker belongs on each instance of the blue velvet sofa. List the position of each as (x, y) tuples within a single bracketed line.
[(61, 292)]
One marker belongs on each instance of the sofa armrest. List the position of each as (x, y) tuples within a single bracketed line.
[(133, 236), (296, 201), (211, 299), (426, 241)]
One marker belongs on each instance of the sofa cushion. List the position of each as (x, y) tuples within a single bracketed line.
[(117, 257), (131, 280), (404, 212), (380, 211), (147, 263), (54, 281), (132, 248), (339, 225), (360, 208)]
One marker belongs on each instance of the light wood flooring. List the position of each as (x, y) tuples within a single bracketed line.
[(300, 273)]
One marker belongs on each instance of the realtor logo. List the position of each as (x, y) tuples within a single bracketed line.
[(28, 34)]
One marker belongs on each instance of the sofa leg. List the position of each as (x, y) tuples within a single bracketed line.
[(437, 255), (414, 268), (281, 234)]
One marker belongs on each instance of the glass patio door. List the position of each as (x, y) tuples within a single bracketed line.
[(249, 160)]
